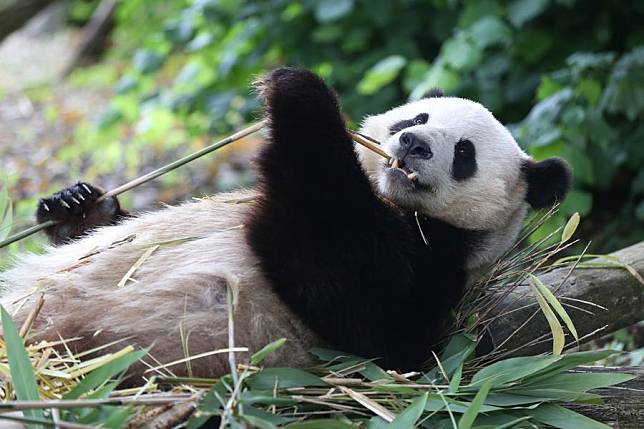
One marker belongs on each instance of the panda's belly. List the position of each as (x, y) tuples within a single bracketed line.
[(187, 257)]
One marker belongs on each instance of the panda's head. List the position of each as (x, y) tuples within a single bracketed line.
[(456, 162)]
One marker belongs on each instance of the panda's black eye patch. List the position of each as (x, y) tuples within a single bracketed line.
[(464, 165), (419, 119)]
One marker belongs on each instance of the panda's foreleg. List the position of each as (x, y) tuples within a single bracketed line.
[(330, 248), (310, 158)]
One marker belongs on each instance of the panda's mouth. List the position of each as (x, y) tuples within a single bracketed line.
[(399, 165)]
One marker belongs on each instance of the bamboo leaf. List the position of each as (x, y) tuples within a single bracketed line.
[(258, 422), (456, 380), (555, 304), (321, 424), (581, 381), (283, 378), (555, 326), (467, 419), (259, 357), (22, 375), (104, 373), (512, 369), (563, 418), (411, 414), (570, 228)]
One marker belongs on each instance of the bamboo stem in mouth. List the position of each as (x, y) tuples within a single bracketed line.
[(358, 138)]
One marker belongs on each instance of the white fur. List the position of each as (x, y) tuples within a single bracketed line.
[(202, 251), (181, 282), (492, 200)]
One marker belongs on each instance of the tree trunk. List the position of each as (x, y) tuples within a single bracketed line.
[(619, 291), (623, 406)]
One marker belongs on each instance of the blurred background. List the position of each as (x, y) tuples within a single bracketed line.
[(105, 90)]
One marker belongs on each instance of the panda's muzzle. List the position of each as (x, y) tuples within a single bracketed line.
[(413, 146)]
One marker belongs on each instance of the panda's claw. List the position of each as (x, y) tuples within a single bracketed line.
[(64, 204)]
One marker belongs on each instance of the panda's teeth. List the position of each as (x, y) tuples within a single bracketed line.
[(412, 176), (395, 164)]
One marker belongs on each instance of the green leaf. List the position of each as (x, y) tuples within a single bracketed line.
[(489, 30), (581, 381), (411, 414), (265, 398), (580, 162), (570, 228), (461, 53), (283, 378), (438, 76), (321, 424), (522, 11), (558, 338), (332, 10), (22, 375), (555, 304), (259, 356), (512, 369), (104, 373), (590, 89), (258, 422), (6, 213), (147, 61), (472, 411), (560, 417), (456, 380), (381, 74)]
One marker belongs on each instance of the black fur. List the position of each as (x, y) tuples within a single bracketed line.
[(419, 119), (464, 165), (353, 267), (434, 93), (76, 212), (548, 181)]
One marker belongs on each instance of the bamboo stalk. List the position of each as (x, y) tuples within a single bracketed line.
[(146, 178), (82, 403), (358, 138)]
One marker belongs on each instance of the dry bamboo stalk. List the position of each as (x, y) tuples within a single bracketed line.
[(26, 326), (358, 138), (82, 403)]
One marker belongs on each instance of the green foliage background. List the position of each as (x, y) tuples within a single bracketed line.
[(567, 77)]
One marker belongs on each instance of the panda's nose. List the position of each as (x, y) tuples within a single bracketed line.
[(414, 146)]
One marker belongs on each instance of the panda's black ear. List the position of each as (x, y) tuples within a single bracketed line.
[(548, 181), (434, 93)]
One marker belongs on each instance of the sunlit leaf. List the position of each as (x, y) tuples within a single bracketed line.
[(570, 228), (385, 71), (22, 375), (262, 354), (558, 338)]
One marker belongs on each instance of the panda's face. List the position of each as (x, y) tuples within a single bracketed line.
[(451, 160)]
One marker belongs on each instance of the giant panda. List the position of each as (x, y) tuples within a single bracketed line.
[(334, 247)]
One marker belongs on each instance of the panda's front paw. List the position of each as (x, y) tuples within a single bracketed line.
[(75, 211), (299, 93)]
